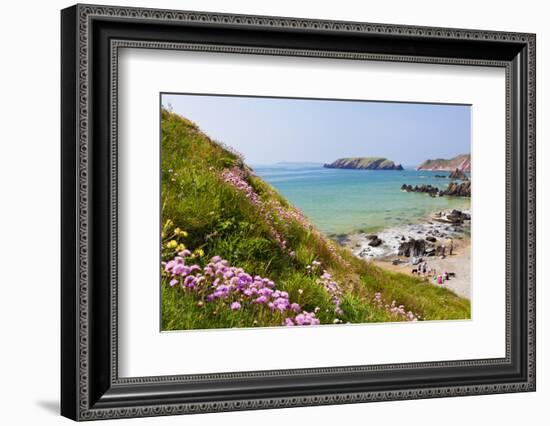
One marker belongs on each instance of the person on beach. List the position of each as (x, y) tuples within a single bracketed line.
[(443, 251), (424, 268), (451, 248)]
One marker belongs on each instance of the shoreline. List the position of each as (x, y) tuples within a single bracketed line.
[(405, 248)]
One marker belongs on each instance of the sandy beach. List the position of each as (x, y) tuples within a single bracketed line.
[(429, 238), (459, 263)]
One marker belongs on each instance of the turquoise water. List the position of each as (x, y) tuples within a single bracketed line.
[(341, 201)]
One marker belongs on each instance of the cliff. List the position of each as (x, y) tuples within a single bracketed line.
[(364, 163), (460, 162)]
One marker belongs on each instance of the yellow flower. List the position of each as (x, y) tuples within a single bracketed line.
[(172, 244), (180, 247), (168, 223), (184, 233), (177, 231), (199, 252)]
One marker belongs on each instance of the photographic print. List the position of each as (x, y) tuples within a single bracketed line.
[(305, 183), (285, 212)]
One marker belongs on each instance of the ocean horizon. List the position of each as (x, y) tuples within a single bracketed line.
[(342, 201)]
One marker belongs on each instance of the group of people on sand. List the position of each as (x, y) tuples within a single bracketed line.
[(425, 272), (422, 269)]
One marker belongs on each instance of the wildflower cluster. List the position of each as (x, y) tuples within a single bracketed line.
[(172, 241), (332, 248), (394, 309), (218, 280), (330, 286), (290, 213), (235, 177), (333, 289)]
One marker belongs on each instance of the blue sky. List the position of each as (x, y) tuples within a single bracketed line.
[(271, 130)]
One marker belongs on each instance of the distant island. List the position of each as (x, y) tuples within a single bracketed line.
[(460, 162), (364, 163)]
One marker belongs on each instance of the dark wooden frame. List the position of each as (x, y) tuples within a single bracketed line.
[(91, 37)]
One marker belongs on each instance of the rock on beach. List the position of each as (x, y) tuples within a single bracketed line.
[(412, 240)]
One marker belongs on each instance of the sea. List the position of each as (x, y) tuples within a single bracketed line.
[(344, 201)]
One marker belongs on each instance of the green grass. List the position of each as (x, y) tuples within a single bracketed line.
[(219, 220), (429, 301)]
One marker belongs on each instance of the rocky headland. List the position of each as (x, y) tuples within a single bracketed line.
[(364, 163), (460, 162)]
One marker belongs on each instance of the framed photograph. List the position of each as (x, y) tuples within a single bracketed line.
[(263, 212)]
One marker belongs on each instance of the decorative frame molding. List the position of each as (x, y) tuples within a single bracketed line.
[(91, 388)]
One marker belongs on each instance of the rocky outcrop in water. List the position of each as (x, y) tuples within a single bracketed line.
[(453, 189), (374, 241), (458, 174), (457, 189), (364, 163), (427, 189)]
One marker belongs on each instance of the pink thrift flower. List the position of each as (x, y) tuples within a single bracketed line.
[(170, 265), (189, 281), (194, 268), (326, 276), (261, 299), (295, 307)]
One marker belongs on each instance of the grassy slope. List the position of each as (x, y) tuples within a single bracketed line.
[(221, 221)]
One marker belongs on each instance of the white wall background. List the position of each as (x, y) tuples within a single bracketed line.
[(29, 211)]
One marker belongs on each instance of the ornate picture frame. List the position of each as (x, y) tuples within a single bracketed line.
[(91, 37)]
